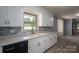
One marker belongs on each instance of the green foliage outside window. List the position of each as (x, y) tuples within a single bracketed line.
[(30, 22)]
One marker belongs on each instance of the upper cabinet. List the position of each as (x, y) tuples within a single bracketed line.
[(11, 16), (45, 19), (3, 16)]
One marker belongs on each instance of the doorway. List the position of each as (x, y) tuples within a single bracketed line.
[(75, 27), (68, 27)]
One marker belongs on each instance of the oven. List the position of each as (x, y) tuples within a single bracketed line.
[(20, 47)]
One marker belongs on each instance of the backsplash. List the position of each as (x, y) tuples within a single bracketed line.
[(14, 30), (46, 28), (9, 30)]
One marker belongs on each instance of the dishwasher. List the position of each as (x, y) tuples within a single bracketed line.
[(20, 47)]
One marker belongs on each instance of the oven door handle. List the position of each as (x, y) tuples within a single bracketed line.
[(9, 49)]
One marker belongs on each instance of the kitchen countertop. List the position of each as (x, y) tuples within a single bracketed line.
[(6, 40)]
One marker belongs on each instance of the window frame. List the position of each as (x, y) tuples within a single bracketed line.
[(36, 21)]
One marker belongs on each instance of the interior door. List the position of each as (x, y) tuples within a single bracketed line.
[(67, 27)]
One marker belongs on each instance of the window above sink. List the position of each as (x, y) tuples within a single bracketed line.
[(30, 21)]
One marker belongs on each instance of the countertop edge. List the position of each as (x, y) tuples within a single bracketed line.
[(25, 39)]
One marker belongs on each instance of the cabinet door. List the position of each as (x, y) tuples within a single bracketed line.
[(49, 42), (55, 38), (41, 44), (1, 50), (20, 16), (43, 41), (41, 47), (34, 46), (3, 16), (13, 15), (46, 42), (52, 40)]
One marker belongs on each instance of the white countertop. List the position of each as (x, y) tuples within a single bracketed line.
[(6, 40)]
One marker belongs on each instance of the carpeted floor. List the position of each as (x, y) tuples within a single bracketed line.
[(66, 44)]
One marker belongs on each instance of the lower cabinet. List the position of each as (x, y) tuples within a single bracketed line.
[(36, 45), (41, 44), (0, 49)]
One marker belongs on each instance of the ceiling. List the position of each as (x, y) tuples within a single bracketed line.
[(63, 10)]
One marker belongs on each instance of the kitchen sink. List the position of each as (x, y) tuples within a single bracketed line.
[(30, 35), (36, 34)]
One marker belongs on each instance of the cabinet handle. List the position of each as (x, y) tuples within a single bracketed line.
[(38, 44), (10, 49), (29, 47), (8, 22), (5, 22), (45, 40)]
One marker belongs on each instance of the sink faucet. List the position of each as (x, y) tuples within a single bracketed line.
[(32, 31)]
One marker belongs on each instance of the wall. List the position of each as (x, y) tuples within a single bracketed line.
[(60, 27), (9, 30), (43, 13), (68, 27)]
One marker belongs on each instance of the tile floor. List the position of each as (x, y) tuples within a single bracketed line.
[(66, 44)]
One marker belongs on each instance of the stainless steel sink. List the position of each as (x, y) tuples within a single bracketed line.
[(30, 35)]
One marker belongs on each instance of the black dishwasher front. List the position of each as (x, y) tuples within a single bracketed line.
[(20, 47)]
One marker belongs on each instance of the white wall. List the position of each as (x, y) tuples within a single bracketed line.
[(46, 15), (60, 26)]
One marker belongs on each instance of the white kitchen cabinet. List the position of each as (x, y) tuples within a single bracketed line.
[(50, 41), (42, 43), (15, 16), (45, 22), (47, 42), (11, 16), (0, 49), (3, 16), (55, 38), (37, 45), (34, 46), (20, 16), (47, 19)]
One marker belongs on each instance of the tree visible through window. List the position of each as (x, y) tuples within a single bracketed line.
[(30, 22)]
